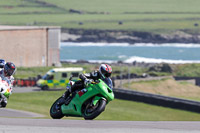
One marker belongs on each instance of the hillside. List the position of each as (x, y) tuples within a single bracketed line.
[(110, 21)]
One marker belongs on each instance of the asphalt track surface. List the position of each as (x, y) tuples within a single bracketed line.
[(14, 121), (14, 125)]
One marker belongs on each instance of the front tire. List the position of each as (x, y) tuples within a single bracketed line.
[(44, 88), (91, 112), (55, 111)]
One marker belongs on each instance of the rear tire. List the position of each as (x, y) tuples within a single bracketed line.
[(91, 112), (55, 111)]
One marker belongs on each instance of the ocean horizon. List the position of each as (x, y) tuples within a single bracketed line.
[(175, 53)]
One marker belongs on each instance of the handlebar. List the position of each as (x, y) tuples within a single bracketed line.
[(95, 82)]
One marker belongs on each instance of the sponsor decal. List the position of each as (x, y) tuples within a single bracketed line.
[(82, 92)]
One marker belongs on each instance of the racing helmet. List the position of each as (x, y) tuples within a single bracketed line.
[(9, 69), (2, 63), (105, 70)]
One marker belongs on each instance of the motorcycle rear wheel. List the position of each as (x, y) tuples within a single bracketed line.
[(55, 111), (91, 112)]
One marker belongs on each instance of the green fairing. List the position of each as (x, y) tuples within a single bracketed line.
[(98, 91), (7, 94)]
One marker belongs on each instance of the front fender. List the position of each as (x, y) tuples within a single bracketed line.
[(96, 99)]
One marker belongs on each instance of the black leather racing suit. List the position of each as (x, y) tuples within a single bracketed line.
[(95, 75)]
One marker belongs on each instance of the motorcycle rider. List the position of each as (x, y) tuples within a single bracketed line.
[(103, 73), (6, 75)]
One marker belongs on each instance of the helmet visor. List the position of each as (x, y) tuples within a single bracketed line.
[(108, 75)]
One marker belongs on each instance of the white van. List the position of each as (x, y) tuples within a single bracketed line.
[(59, 77)]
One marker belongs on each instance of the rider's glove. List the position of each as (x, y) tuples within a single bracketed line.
[(88, 81), (68, 88)]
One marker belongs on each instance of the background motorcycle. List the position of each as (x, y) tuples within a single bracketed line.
[(5, 92)]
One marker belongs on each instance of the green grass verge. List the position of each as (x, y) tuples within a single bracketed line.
[(40, 102)]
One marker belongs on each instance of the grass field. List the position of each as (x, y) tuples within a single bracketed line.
[(161, 16), (40, 102), (187, 70)]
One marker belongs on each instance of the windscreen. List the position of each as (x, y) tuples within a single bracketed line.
[(108, 81)]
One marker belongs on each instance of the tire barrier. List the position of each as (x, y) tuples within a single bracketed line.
[(25, 82), (159, 100)]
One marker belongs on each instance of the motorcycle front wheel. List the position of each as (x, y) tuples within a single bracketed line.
[(55, 111), (90, 112)]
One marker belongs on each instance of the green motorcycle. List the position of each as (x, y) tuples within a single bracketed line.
[(88, 102)]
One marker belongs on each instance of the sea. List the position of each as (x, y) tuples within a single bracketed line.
[(175, 53)]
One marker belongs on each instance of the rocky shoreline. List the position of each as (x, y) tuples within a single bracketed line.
[(131, 37)]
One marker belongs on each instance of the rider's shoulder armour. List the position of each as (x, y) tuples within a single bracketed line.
[(94, 73)]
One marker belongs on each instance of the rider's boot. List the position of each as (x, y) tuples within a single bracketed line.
[(72, 90), (65, 97), (68, 96)]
